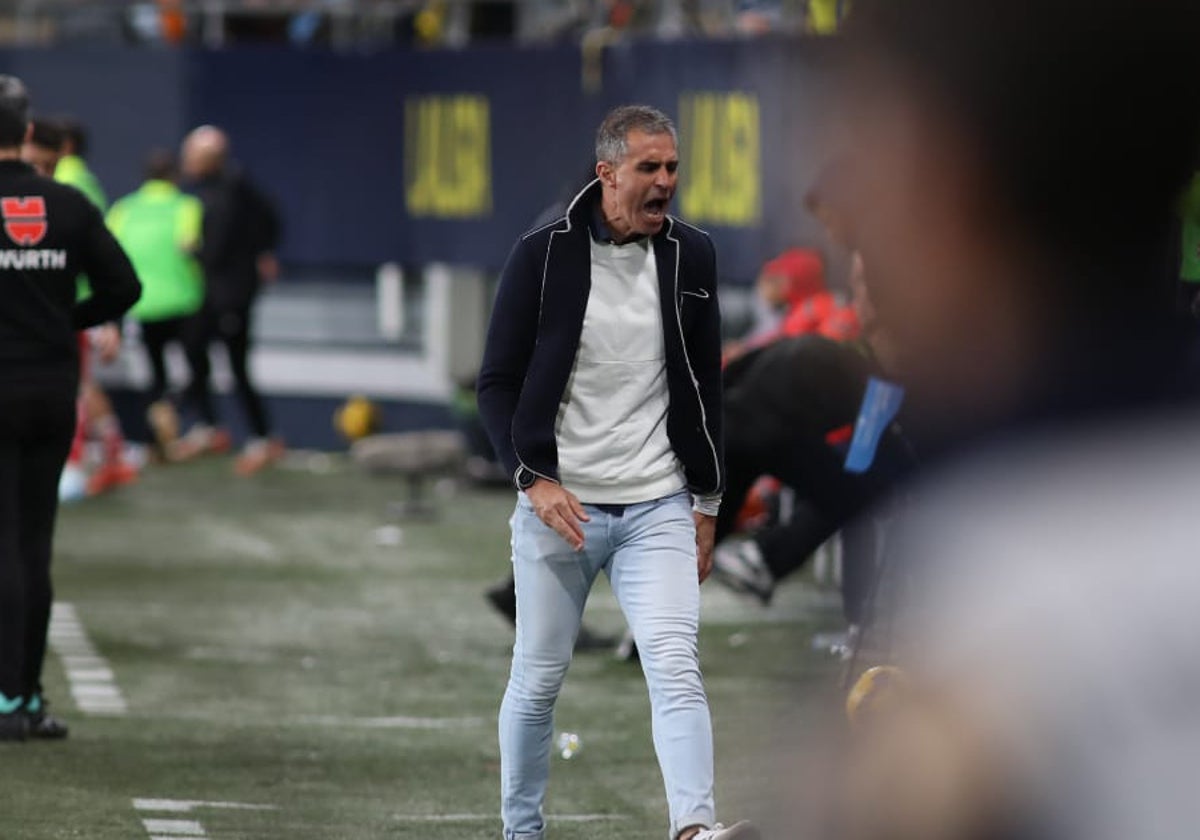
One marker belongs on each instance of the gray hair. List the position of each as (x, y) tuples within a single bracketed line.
[(14, 98), (611, 145)]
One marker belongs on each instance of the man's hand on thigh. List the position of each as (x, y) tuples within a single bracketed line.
[(706, 531), (558, 508)]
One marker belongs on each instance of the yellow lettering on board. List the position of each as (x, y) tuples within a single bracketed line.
[(448, 156), (721, 171)]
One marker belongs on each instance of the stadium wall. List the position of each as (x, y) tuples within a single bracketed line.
[(437, 161), (445, 156)]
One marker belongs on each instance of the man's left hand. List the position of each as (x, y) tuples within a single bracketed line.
[(706, 532), (106, 338)]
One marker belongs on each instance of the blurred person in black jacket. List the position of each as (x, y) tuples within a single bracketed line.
[(51, 234), (241, 231), (791, 409), (43, 148)]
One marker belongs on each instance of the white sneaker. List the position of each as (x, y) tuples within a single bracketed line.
[(740, 566), (72, 484), (740, 831), (627, 650)]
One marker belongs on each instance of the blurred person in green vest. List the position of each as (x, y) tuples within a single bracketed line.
[(159, 228), (1189, 267), (72, 167)]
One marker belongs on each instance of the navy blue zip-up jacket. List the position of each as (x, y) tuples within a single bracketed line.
[(534, 337)]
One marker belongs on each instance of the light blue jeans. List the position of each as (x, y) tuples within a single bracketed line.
[(649, 555)]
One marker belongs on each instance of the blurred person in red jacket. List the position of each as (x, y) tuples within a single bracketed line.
[(797, 302)]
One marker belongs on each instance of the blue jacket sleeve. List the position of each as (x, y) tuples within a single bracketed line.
[(511, 337)]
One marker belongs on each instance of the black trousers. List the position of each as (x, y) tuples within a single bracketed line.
[(35, 438), (827, 500), (232, 328), (827, 496), (156, 335)]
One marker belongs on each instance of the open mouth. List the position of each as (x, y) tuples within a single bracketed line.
[(655, 207)]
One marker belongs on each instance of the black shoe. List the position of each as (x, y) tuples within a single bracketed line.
[(14, 727), (43, 725), (503, 596), (46, 727)]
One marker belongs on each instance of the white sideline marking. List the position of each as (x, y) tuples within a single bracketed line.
[(462, 818), (98, 674), (177, 828), (185, 806), (93, 685), (97, 690), (401, 722)]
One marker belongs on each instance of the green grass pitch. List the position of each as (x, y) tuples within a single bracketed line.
[(259, 633)]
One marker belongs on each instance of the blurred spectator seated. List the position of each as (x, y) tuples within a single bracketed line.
[(793, 300), (791, 409)]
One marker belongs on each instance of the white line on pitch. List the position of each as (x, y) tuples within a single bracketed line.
[(174, 828), (93, 685), (184, 806), (401, 722), (462, 818)]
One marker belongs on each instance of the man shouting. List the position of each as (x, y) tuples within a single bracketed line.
[(601, 392)]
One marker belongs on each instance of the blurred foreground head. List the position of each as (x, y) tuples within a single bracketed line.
[(14, 112), (205, 153), (1050, 691), (1014, 167)]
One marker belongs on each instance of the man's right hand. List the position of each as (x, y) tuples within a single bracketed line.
[(558, 508)]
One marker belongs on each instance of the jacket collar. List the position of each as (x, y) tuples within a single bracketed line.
[(157, 188), (582, 216)]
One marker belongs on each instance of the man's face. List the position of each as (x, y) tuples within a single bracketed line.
[(191, 162), (638, 190), (203, 154), (44, 160)]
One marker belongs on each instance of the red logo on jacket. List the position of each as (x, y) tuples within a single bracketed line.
[(25, 219)]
